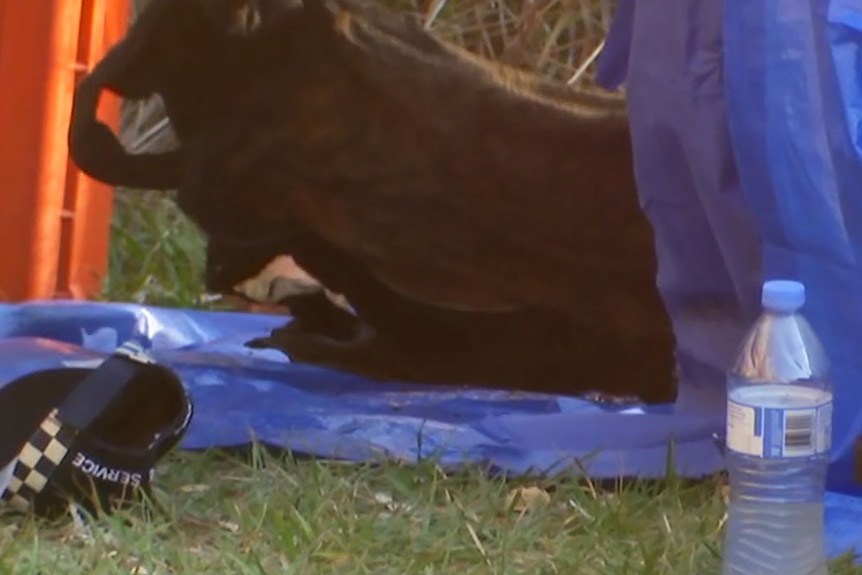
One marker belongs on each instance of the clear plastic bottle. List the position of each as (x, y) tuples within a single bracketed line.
[(779, 438)]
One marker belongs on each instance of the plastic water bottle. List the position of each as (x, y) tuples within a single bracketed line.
[(779, 438)]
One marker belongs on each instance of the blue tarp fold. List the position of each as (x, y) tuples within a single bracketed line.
[(792, 78), (242, 393), (747, 124)]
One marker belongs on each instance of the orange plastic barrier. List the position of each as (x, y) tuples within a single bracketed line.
[(54, 221)]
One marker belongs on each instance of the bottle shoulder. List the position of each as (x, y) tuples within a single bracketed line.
[(781, 348)]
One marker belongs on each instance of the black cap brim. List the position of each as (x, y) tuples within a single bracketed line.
[(88, 435)]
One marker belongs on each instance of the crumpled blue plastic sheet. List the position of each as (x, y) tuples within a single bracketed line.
[(747, 129), (793, 93), (242, 394)]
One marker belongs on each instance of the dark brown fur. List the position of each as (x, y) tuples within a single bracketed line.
[(483, 222), (194, 54), (497, 206)]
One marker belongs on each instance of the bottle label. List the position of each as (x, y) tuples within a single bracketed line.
[(771, 430)]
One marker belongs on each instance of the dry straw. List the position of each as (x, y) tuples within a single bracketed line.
[(560, 39)]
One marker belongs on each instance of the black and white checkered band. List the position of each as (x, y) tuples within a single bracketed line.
[(41, 455), (25, 478)]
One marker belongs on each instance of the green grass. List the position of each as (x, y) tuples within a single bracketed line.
[(157, 254), (264, 514)]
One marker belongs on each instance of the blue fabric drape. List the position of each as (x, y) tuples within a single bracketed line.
[(747, 127)]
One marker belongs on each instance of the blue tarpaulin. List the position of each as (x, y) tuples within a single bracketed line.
[(242, 394), (747, 127)]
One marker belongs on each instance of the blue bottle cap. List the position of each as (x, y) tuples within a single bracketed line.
[(782, 295)]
